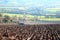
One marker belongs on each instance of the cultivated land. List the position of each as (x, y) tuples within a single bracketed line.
[(30, 32), (32, 17)]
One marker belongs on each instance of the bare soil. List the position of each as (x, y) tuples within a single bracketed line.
[(30, 32)]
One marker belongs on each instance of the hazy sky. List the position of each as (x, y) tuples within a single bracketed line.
[(30, 3)]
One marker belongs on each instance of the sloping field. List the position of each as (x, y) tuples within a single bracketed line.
[(32, 17), (30, 32)]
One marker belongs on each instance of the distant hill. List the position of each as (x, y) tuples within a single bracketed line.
[(33, 11), (11, 10)]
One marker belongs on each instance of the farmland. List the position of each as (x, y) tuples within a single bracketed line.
[(30, 32), (32, 17)]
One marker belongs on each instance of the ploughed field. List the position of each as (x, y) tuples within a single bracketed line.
[(30, 32)]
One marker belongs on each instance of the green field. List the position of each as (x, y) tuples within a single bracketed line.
[(51, 19), (32, 17)]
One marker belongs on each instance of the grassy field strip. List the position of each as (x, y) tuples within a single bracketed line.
[(32, 17), (18, 15), (51, 19)]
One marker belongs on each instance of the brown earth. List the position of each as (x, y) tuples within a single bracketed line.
[(30, 32)]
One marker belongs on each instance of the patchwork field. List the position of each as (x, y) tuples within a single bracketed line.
[(32, 17)]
